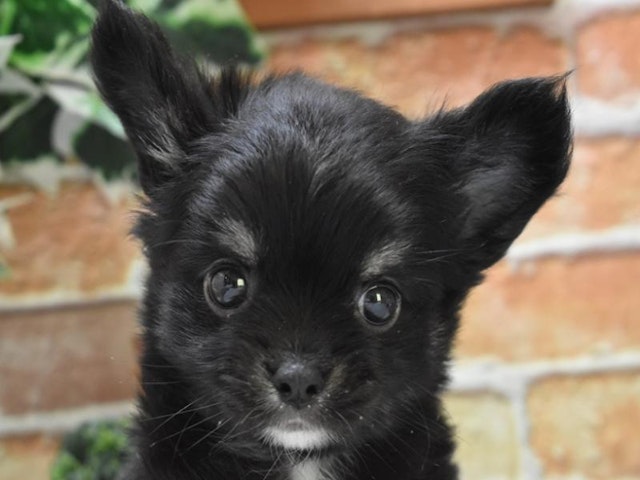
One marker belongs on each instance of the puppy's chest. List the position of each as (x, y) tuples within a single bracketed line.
[(310, 470)]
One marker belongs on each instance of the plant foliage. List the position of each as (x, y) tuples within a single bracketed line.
[(49, 107), (95, 451)]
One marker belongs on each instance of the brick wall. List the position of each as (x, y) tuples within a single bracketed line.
[(546, 381)]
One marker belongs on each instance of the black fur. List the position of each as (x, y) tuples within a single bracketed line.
[(321, 178)]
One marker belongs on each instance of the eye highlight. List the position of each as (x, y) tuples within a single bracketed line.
[(226, 287), (379, 305)]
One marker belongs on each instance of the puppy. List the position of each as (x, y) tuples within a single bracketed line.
[(309, 251)]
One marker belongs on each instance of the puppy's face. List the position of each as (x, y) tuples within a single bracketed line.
[(301, 289), (309, 248)]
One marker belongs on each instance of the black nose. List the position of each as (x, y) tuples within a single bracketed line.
[(297, 382)]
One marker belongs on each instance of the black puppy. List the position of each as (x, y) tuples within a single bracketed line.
[(309, 252)]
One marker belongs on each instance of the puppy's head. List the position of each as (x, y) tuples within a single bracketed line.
[(309, 248)]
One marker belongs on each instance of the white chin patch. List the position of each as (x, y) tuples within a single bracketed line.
[(297, 439)]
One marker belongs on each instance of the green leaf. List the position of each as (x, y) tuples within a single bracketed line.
[(29, 136), (65, 467), (95, 451), (54, 32), (147, 6), (8, 10), (217, 30), (110, 155), (13, 106), (18, 94), (213, 12), (87, 104), (223, 44), (7, 44), (13, 82)]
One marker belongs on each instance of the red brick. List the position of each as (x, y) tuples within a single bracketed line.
[(29, 457), (601, 190), (76, 240), (554, 308), (608, 60), (587, 427), (417, 70), (67, 357)]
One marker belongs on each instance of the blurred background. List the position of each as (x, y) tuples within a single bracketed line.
[(546, 380)]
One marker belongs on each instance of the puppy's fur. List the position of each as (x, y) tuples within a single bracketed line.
[(313, 195)]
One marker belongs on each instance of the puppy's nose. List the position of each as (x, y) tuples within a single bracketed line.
[(297, 382)]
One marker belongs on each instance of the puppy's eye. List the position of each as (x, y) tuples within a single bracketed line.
[(226, 288), (380, 305)]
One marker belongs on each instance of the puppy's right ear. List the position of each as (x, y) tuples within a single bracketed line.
[(163, 101)]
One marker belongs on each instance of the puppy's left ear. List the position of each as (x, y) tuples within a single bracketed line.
[(507, 153)]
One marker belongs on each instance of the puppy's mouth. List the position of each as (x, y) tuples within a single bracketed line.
[(297, 434)]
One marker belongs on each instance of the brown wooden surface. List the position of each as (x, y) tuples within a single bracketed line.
[(267, 14)]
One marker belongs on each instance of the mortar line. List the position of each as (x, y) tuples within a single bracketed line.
[(624, 238), (594, 118), (530, 464), (60, 299), (507, 379), (60, 421)]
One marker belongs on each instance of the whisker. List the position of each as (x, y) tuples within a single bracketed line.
[(273, 465), (207, 435), (174, 414), (181, 432), (229, 435), (202, 407), (179, 241), (380, 457), (184, 429), (151, 365), (161, 383)]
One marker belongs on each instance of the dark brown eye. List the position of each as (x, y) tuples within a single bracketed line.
[(380, 305), (226, 287)]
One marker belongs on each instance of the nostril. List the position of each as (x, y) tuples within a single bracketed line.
[(297, 382), (284, 388)]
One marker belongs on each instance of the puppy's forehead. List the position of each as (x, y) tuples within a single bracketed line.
[(289, 210), (302, 178)]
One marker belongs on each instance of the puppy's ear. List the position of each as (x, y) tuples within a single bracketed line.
[(510, 150), (163, 101)]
